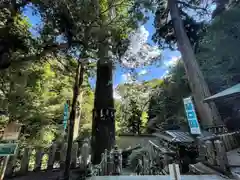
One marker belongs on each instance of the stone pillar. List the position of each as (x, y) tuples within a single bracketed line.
[(85, 154)]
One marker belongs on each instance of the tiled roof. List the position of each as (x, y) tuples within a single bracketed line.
[(175, 136)]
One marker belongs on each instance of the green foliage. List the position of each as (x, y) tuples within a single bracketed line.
[(131, 112), (164, 34), (36, 94), (218, 51), (219, 55), (15, 37), (166, 102), (86, 113)]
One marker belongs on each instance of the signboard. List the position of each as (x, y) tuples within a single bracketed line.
[(65, 116), (8, 149), (11, 132), (191, 116)]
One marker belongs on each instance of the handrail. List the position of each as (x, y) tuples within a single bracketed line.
[(162, 149)]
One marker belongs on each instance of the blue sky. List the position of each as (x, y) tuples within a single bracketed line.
[(153, 71), (121, 74)]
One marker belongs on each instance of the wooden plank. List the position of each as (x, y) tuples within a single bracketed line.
[(200, 168), (161, 149)]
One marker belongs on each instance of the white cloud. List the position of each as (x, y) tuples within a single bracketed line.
[(139, 51), (143, 72), (173, 61)]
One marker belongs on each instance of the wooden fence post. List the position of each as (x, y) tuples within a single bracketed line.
[(166, 162), (174, 172), (38, 159), (226, 142), (102, 164), (145, 164), (106, 165), (74, 155), (85, 155), (210, 152), (63, 155), (221, 155), (51, 156), (24, 161)]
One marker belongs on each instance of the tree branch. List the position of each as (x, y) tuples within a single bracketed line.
[(47, 49), (106, 10), (16, 5), (192, 6)]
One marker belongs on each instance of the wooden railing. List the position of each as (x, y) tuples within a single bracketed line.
[(217, 129), (38, 159), (214, 150)]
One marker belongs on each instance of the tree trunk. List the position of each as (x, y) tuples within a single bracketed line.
[(78, 117), (76, 89), (103, 125), (208, 112)]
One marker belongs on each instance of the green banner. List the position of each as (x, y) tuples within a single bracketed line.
[(8, 149)]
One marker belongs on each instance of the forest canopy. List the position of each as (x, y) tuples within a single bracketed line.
[(39, 65)]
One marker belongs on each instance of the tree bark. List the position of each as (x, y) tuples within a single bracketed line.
[(103, 125), (208, 112), (76, 89)]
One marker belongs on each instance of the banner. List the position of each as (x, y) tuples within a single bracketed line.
[(65, 116), (191, 116)]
